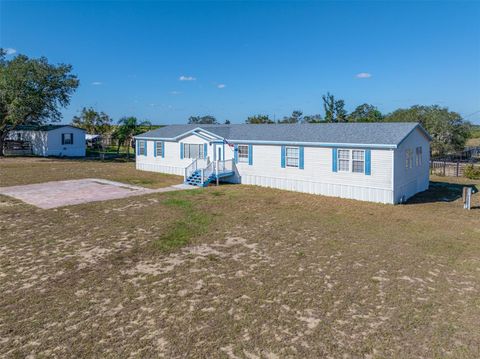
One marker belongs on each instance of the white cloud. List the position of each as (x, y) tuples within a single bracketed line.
[(97, 83), (10, 51), (221, 86), (187, 78), (363, 75), (175, 92)]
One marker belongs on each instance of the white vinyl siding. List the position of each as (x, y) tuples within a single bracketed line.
[(292, 156), (410, 178), (317, 176), (243, 153)]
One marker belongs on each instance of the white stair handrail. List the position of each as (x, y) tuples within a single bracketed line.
[(192, 167)]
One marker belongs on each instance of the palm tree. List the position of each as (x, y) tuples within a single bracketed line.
[(127, 128)]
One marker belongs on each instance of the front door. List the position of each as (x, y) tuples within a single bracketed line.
[(219, 153)]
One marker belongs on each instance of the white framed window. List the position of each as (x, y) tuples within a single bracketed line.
[(418, 156), (344, 160), (67, 138), (358, 161), (242, 153), (193, 151), (159, 148), (408, 158), (142, 148), (351, 161), (292, 156)]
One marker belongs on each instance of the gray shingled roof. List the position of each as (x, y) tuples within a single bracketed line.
[(385, 133), (48, 127)]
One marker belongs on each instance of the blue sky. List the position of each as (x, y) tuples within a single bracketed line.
[(165, 61)]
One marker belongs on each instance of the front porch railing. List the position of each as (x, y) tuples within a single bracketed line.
[(225, 166), (192, 167)]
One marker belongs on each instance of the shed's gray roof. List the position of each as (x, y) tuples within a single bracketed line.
[(47, 127), (384, 133)]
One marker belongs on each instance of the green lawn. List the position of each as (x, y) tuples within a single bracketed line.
[(236, 271)]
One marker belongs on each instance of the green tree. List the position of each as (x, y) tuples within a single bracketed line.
[(365, 113), (329, 107), (126, 129), (209, 120), (313, 119), (32, 91), (259, 119), (295, 117), (92, 121), (340, 112), (448, 129), (334, 109), (227, 122)]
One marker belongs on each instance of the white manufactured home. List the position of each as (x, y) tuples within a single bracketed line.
[(377, 162), (51, 140)]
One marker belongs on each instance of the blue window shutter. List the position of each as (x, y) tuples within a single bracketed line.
[(154, 148), (205, 150), (145, 147), (283, 157), (136, 147), (334, 159), (368, 162), (250, 155), (235, 153), (181, 151), (301, 156), (163, 149)]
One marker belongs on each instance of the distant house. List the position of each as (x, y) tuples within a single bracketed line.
[(93, 140), (49, 140), (377, 162)]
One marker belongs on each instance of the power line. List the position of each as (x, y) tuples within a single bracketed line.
[(471, 114)]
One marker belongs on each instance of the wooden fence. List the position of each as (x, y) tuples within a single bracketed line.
[(17, 148), (448, 168)]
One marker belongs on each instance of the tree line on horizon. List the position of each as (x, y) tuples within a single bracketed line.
[(33, 91), (449, 131)]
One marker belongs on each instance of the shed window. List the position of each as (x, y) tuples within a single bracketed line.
[(408, 158), (142, 148), (67, 138), (418, 157), (193, 151), (292, 156), (159, 148), (358, 161), (344, 160), (243, 153)]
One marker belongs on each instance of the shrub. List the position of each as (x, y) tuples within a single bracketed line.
[(472, 172)]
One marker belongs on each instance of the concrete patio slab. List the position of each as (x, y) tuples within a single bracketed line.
[(66, 193)]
